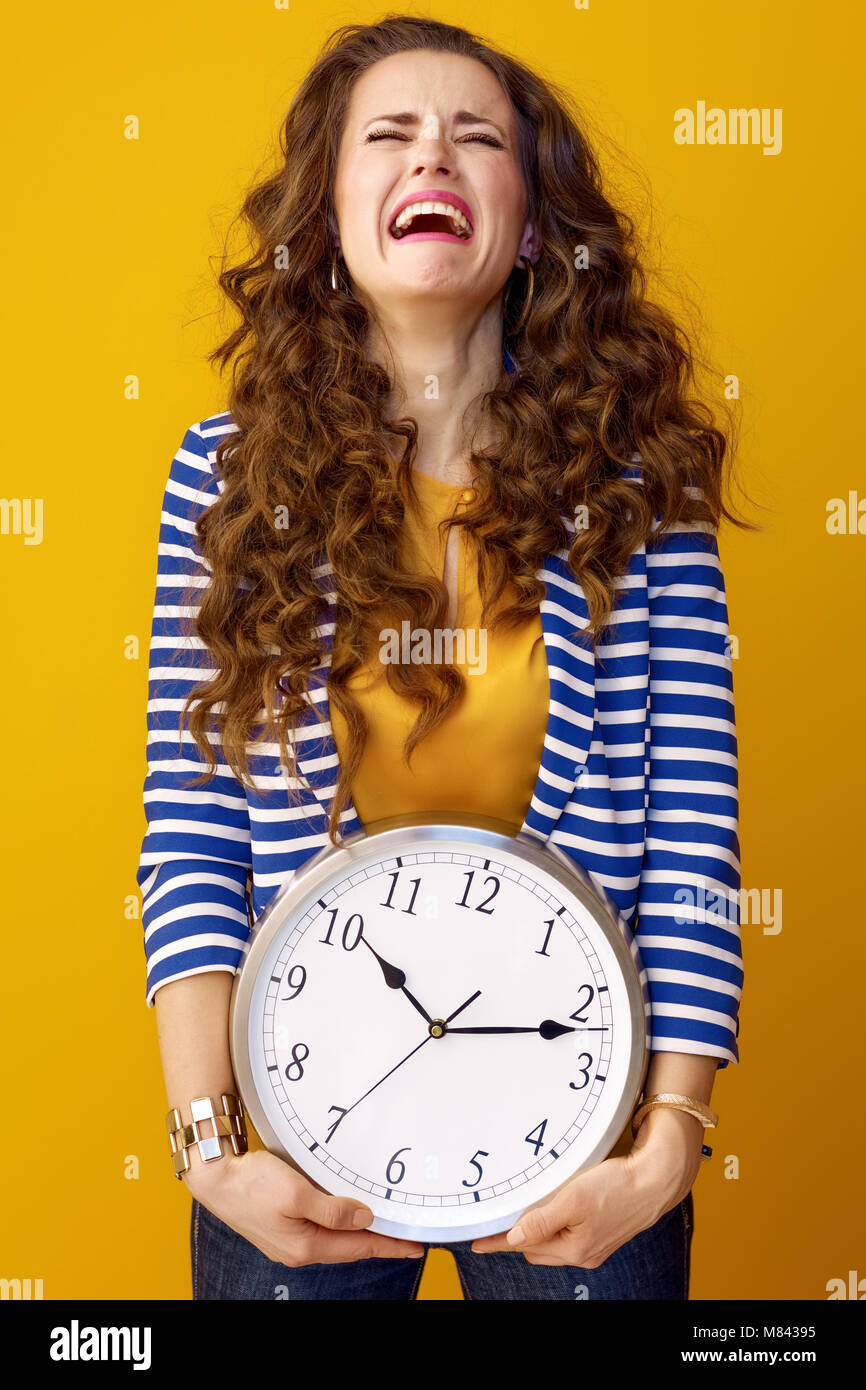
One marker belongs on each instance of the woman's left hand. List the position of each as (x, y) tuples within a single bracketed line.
[(604, 1206)]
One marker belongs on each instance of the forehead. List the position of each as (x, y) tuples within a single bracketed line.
[(425, 81)]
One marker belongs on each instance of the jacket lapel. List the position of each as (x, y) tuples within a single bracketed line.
[(571, 712)]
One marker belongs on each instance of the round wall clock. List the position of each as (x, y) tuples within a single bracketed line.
[(446, 1021)]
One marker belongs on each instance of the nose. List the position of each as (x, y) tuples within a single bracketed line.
[(433, 156), (431, 166)]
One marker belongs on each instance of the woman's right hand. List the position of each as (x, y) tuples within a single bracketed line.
[(284, 1215)]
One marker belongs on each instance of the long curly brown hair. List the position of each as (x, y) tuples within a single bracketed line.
[(600, 372)]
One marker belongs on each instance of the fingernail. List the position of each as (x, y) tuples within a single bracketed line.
[(363, 1216), (515, 1236)]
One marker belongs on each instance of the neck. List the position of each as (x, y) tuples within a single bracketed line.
[(440, 366)]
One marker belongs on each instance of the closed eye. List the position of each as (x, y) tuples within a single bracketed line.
[(401, 135)]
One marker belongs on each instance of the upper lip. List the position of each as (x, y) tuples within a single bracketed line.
[(427, 195)]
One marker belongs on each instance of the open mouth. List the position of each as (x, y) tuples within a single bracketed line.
[(426, 216)]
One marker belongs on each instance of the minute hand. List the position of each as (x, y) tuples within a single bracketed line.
[(548, 1029)]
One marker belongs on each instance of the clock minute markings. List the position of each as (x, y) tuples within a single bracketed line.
[(550, 923), (469, 875), (395, 877), (548, 1030)]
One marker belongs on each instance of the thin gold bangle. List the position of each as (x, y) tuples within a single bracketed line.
[(665, 1099)]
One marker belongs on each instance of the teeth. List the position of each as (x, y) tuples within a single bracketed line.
[(462, 223)]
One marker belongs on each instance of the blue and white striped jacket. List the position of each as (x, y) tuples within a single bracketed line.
[(638, 776)]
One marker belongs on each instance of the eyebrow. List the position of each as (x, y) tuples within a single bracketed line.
[(460, 118)]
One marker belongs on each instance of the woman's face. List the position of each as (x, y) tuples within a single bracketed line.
[(431, 127)]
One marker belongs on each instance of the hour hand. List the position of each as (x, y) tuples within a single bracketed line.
[(395, 978)]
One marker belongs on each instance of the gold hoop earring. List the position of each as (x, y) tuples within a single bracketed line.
[(524, 313), (334, 271)]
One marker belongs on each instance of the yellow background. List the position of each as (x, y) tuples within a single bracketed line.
[(106, 256)]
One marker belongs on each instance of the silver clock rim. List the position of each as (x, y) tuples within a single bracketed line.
[(490, 834)]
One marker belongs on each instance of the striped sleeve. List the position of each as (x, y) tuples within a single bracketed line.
[(689, 892), (195, 855)]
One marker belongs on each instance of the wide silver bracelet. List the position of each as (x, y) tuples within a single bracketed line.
[(230, 1125)]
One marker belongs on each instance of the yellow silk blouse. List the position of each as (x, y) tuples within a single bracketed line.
[(484, 757)]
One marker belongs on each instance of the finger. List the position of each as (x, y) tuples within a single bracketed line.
[(502, 1240), (540, 1224), (560, 1250), (535, 1227), (538, 1254), (334, 1247), (486, 1245), (505, 1241), (334, 1213)]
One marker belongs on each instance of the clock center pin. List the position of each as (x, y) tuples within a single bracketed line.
[(438, 1028)]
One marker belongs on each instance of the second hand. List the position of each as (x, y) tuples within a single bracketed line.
[(399, 1064)]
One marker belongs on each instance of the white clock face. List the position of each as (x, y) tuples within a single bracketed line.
[(445, 1032)]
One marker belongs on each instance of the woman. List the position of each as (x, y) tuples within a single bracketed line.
[(443, 321)]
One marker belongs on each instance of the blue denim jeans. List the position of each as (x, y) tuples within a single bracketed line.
[(654, 1264)]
